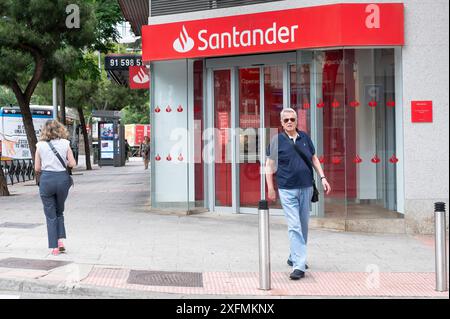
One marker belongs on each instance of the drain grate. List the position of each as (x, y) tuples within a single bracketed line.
[(34, 264), (163, 278), (19, 225)]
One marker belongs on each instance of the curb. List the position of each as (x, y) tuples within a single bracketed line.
[(41, 287)]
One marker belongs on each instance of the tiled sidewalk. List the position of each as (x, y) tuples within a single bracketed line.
[(314, 284), (90, 279)]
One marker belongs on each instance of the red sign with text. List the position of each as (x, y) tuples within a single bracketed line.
[(139, 77), (313, 27), (422, 111)]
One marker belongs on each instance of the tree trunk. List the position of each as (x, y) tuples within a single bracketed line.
[(62, 101), (23, 98), (3, 186), (87, 149)]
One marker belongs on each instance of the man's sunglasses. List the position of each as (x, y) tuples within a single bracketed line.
[(290, 120)]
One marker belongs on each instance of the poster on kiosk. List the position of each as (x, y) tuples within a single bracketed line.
[(106, 140)]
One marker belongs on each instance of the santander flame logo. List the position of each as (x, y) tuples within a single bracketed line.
[(183, 43)]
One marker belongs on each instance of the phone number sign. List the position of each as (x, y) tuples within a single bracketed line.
[(122, 62)]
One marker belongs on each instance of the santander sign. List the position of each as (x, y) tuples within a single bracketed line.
[(236, 38), (337, 25)]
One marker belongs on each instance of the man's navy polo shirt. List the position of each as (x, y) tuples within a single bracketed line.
[(291, 170)]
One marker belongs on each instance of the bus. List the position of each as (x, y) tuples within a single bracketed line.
[(13, 138)]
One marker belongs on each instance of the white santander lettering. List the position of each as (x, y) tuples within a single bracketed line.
[(246, 34), (205, 43), (245, 38), (261, 36), (293, 28), (271, 31), (283, 32), (373, 19), (214, 42)]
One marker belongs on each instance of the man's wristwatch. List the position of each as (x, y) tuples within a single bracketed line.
[(322, 177)]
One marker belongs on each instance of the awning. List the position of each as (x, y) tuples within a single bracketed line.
[(136, 12)]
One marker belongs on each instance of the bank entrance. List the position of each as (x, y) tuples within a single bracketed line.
[(345, 99)]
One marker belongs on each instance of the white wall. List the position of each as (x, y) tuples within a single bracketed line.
[(365, 116), (426, 77), (171, 87)]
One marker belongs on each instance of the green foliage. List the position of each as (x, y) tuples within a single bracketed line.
[(31, 29), (108, 15), (94, 91), (37, 28), (136, 114), (7, 97)]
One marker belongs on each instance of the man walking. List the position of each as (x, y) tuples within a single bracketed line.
[(291, 156)]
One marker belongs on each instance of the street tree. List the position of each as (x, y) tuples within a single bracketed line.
[(79, 67), (31, 32)]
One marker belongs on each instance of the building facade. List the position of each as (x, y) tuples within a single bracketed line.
[(369, 82)]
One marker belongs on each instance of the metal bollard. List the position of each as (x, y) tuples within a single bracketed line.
[(441, 249), (264, 246)]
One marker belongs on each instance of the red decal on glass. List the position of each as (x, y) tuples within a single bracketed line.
[(179, 109), (180, 158), (393, 159), (157, 110), (306, 105), (322, 159), (335, 103), (321, 105), (390, 103), (169, 158), (168, 109), (354, 104), (357, 159), (375, 159), (373, 103), (336, 160), (158, 158)]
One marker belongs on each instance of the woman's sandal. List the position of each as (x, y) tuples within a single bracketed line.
[(61, 247)]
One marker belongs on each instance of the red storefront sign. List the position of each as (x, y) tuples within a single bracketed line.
[(314, 27), (422, 111), (139, 77), (141, 131)]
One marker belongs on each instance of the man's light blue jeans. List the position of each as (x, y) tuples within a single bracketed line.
[(297, 206)]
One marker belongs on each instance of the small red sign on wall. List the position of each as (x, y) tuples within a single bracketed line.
[(139, 77), (422, 111)]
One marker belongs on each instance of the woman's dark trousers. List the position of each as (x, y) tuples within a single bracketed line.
[(54, 188)]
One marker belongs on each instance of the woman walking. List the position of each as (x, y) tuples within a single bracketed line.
[(145, 151), (53, 155)]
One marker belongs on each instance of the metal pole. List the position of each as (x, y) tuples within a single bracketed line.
[(264, 246), (55, 98), (441, 249)]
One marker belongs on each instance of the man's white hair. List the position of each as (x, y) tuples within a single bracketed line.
[(287, 110)]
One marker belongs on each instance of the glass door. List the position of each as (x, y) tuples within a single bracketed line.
[(249, 124), (259, 96), (245, 101), (223, 143)]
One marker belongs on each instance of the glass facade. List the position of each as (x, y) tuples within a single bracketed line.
[(353, 116), (229, 110)]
